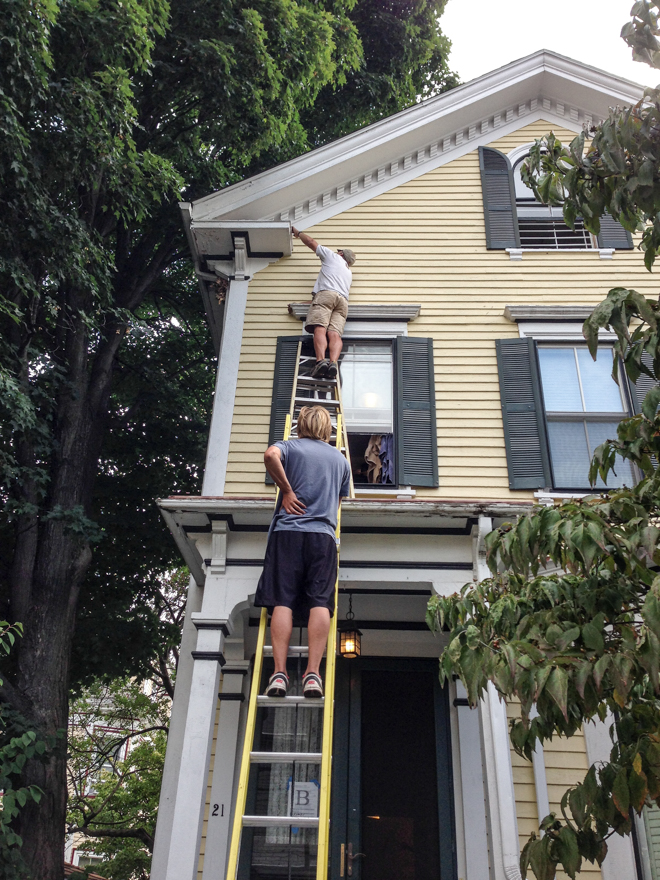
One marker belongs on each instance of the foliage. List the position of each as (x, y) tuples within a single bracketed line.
[(111, 112), (619, 172), (569, 622), (117, 745), (17, 744)]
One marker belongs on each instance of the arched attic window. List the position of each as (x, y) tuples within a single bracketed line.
[(542, 227), (515, 220)]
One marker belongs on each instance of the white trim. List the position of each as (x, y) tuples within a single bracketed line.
[(402, 494), (556, 331), (217, 451), (169, 791), (372, 160)]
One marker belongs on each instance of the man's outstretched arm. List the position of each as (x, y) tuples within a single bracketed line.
[(306, 239), (273, 462)]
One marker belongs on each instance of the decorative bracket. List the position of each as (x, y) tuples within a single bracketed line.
[(240, 258), (218, 564)]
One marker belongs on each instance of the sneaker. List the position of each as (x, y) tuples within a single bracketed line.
[(278, 684), (333, 369), (312, 686), (320, 370)]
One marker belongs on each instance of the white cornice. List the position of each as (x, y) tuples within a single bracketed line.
[(333, 178)]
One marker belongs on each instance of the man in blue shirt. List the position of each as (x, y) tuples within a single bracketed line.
[(300, 567)]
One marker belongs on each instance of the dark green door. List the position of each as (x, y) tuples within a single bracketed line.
[(392, 803)]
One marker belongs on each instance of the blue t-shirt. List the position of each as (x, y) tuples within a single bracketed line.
[(319, 475)]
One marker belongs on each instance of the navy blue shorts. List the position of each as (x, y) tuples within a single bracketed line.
[(300, 572)]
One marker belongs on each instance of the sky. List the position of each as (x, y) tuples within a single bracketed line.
[(584, 30)]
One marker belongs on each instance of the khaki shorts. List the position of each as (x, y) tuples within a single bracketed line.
[(329, 309)]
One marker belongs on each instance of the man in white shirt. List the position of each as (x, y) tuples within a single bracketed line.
[(327, 314)]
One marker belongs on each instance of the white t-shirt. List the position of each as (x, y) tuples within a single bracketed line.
[(334, 274)]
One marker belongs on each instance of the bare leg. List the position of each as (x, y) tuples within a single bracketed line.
[(336, 344), (320, 342), (281, 624), (317, 637)]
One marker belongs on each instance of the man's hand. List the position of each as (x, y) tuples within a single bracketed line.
[(306, 239), (291, 503)]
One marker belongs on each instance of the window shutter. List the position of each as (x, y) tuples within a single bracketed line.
[(613, 235), (285, 366), (525, 436), (417, 439), (643, 385), (499, 197)]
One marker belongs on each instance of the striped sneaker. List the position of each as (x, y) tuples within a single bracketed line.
[(278, 685), (312, 686)]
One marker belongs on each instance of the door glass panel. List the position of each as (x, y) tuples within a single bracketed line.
[(400, 833), (366, 387), (283, 788), (561, 388)]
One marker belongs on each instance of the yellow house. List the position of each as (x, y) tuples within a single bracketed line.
[(465, 368)]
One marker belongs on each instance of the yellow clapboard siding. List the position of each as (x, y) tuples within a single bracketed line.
[(424, 242)]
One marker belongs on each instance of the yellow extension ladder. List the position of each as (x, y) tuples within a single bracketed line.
[(307, 391)]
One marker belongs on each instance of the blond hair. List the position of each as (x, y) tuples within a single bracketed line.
[(314, 423)]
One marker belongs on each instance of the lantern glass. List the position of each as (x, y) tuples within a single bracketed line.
[(350, 643)]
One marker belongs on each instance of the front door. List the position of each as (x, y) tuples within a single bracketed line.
[(392, 803)]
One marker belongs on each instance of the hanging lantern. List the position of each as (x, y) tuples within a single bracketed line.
[(349, 635)]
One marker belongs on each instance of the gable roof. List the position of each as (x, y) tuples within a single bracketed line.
[(374, 159)]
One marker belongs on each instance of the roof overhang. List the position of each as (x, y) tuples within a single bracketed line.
[(330, 179)]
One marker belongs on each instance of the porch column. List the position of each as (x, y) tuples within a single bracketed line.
[(186, 832), (218, 831), (620, 859)]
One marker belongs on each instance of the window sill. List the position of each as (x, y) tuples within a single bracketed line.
[(549, 498), (405, 493), (603, 253)]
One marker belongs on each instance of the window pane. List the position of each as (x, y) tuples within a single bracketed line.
[(570, 455), (561, 389), (601, 393), (366, 377), (598, 433)]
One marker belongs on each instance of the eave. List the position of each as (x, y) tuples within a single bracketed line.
[(330, 179)]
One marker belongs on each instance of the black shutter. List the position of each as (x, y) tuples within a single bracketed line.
[(285, 365), (613, 235), (522, 413), (642, 386), (416, 437), (499, 197)]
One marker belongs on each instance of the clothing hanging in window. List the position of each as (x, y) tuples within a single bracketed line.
[(387, 458), (372, 458)]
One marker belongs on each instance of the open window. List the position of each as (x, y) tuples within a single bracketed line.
[(388, 394), (367, 381)]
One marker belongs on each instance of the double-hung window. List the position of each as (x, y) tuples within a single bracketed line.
[(515, 220), (558, 406), (583, 407), (388, 397)]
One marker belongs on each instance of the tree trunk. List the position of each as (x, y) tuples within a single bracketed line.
[(57, 565)]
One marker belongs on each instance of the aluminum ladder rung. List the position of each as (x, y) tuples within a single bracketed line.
[(280, 821), (290, 702), (316, 380), (285, 757), (317, 401), (294, 651)]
